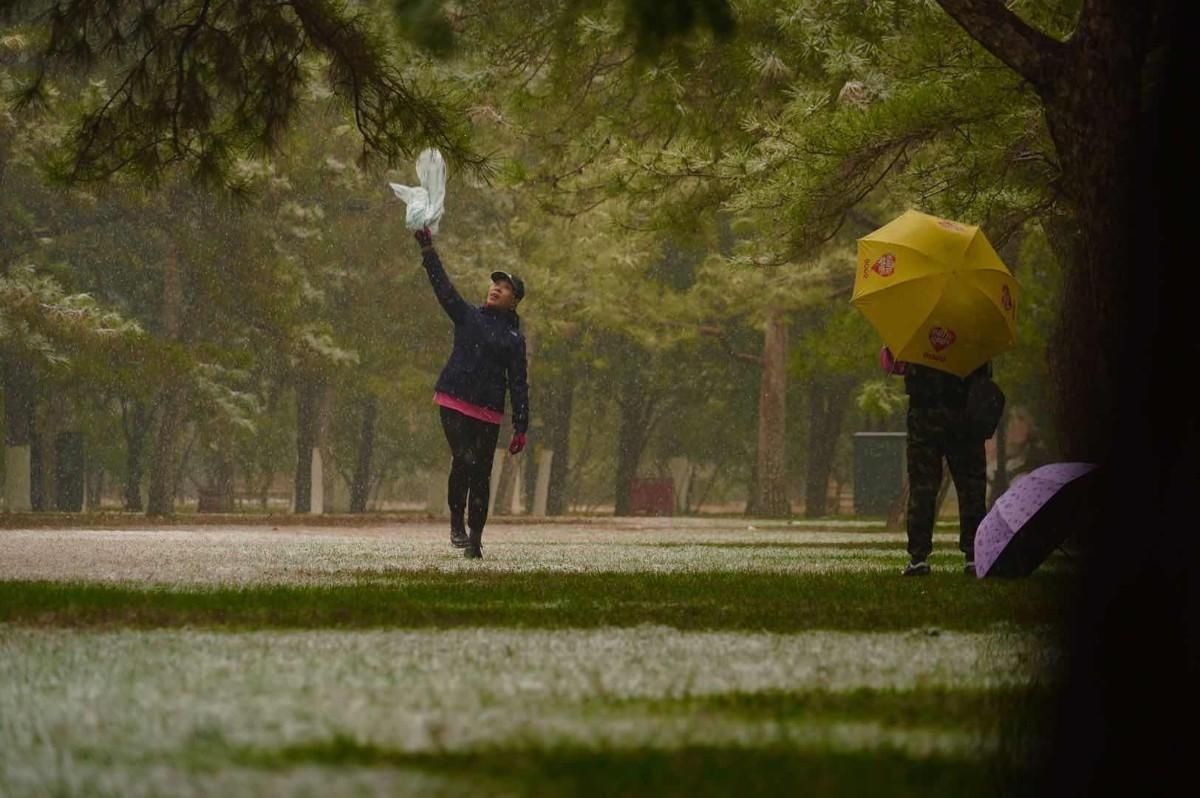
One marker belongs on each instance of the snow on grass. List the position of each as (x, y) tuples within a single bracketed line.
[(249, 555), (432, 690)]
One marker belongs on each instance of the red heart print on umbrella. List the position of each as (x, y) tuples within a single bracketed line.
[(940, 338), (884, 265)]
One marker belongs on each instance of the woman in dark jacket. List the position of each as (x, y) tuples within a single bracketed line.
[(488, 359)]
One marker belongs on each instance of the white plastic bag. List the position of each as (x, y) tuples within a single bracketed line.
[(426, 201)]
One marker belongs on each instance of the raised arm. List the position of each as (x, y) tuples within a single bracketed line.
[(454, 305)]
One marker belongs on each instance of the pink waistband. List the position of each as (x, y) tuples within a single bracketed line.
[(467, 409)]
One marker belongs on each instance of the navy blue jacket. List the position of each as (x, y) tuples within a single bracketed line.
[(489, 350)]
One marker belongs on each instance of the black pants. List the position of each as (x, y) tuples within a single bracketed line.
[(934, 433), (473, 444)]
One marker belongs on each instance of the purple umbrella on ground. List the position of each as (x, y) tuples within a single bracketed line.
[(1030, 520)]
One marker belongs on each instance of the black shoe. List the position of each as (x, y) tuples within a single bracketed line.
[(916, 568), (474, 547), (969, 568), (458, 537)]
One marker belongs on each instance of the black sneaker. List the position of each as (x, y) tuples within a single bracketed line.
[(458, 537), (916, 568), (473, 552), (969, 568)]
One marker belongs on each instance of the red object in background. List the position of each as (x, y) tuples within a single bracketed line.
[(652, 497)]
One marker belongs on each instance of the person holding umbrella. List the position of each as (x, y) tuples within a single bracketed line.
[(487, 360), (945, 304), (941, 426)]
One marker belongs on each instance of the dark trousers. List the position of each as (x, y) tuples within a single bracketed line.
[(473, 445), (934, 433)]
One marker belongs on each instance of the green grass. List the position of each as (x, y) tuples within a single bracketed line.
[(689, 771), (956, 708), (424, 599)]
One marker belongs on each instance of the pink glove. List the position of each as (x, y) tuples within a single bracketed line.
[(518, 443), (424, 237), (889, 363)]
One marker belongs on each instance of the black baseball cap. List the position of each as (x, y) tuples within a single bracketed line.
[(516, 282)]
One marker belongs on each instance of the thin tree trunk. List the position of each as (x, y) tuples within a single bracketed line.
[(829, 398), (135, 423), (172, 400), (18, 429), (164, 455), (18, 394), (772, 498), (360, 487), (631, 440), (559, 402), (52, 424), (752, 490), (308, 397), (635, 426), (95, 488), (312, 403)]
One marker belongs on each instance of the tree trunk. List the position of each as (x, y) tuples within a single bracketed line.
[(636, 422), (558, 405), (1093, 89), (360, 487), (95, 488), (264, 489), (37, 469), (53, 421), (18, 429), (1131, 657), (135, 422), (828, 400), (1092, 112), (217, 492), (164, 455), (310, 399), (752, 491), (172, 400), (771, 473), (631, 440)]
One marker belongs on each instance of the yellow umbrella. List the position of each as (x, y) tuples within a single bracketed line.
[(936, 291)]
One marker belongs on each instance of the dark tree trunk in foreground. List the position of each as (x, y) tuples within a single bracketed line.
[(1091, 91), (1117, 97)]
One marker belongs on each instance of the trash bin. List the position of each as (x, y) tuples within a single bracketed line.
[(878, 471), (652, 497), (68, 472)]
